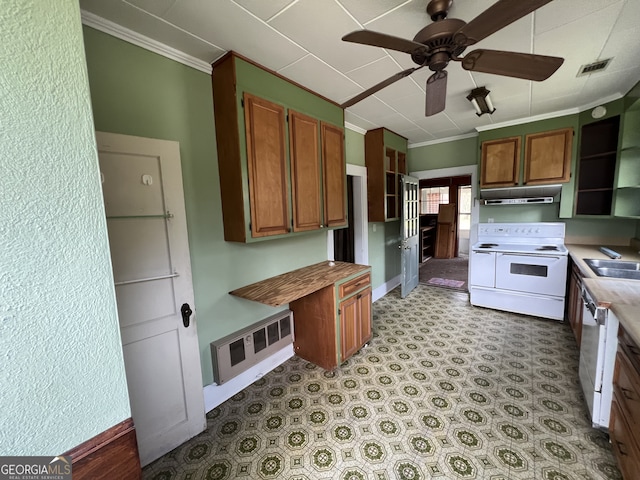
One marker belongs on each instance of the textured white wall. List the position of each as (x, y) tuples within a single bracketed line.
[(62, 375)]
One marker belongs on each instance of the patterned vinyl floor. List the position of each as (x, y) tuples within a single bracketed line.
[(444, 390)]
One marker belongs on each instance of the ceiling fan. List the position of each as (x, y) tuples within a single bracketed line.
[(446, 38)]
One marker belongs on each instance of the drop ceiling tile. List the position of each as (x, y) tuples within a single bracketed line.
[(499, 86), (411, 106), (403, 22), (515, 37), (155, 7), (370, 108), (556, 14), (264, 10), (418, 136), (629, 16), (320, 78), (397, 123), (155, 28), (609, 83), (565, 102), (624, 48), (366, 10), (230, 27), (350, 117), (436, 123), (374, 72), (323, 35)]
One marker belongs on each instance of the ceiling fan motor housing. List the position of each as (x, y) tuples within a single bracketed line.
[(438, 37)]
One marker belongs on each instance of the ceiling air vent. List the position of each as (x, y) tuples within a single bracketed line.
[(594, 67)]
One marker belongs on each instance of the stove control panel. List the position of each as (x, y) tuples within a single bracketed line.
[(529, 230)]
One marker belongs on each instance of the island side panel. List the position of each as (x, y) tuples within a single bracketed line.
[(315, 328)]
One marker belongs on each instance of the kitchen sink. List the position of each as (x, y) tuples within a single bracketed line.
[(614, 268)]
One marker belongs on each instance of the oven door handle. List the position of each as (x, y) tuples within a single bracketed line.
[(534, 255)]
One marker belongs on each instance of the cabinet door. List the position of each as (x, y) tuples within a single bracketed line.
[(548, 157), (266, 164), (304, 151), (500, 164), (364, 300), (349, 328), (334, 176)]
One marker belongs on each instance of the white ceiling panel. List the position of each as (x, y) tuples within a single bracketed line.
[(323, 35), (302, 40), (309, 68), (155, 28), (561, 12), (225, 24), (155, 7), (352, 118), (365, 10), (261, 9)]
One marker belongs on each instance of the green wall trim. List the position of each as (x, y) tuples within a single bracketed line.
[(394, 141), (457, 153)]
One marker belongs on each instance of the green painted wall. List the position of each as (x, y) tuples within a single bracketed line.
[(384, 256), (140, 93), (456, 153), (62, 373), (354, 147)]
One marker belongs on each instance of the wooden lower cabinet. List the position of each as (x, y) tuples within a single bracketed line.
[(355, 323), (574, 302), (624, 426), (334, 322)]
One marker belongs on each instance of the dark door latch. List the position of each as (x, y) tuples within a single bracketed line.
[(186, 313)]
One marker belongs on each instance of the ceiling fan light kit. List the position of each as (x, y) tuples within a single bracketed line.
[(445, 39), (479, 98)]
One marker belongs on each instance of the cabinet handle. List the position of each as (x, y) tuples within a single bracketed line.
[(628, 394), (633, 349), (620, 448)]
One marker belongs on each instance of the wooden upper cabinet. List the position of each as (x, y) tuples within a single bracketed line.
[(267, 166), (304, 150), (281, 171), (334, 174), (548, 157), (500, 164)]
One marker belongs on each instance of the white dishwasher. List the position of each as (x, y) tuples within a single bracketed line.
[(598, 348)]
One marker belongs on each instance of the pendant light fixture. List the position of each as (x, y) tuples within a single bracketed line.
[(479, 98)]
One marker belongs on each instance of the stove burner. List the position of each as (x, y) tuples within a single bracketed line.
[(548, 248), (488, 245)]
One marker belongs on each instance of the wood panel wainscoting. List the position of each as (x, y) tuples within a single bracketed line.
[(110, 454)]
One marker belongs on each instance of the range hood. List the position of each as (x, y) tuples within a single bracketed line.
[(520, 195)]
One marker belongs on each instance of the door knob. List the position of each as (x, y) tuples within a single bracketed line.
[(186, 312)]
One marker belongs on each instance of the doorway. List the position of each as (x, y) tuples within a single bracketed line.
[(358, 238), (445, 224)]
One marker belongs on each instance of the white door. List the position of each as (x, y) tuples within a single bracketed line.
[(410, 220), (144, 204)]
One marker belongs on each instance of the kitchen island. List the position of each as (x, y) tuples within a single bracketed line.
[(331, 305)]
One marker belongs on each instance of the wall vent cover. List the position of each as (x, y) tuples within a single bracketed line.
[(594, 67), (241, 350)]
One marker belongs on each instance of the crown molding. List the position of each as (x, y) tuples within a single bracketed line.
[(354, 128), (94, 21), (547, 116), (443, 140)]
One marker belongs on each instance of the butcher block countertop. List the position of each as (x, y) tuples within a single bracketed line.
[(290, 286), (621, 296)]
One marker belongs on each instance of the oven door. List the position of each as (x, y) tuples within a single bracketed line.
[(482, 269), (538, 274)]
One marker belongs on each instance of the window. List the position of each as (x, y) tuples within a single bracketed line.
[(431, 198), (464, 207)]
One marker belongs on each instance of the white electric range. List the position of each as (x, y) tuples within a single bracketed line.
[(520, 267)]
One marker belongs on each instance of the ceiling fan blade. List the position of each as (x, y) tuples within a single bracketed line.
[(379, 86), (377, 39), (436, 93), (512, 64), (497, 16)]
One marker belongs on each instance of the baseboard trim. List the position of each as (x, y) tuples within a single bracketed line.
[(385, 288), (110, 454), (215, 394)]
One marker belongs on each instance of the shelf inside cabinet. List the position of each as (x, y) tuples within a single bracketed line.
[(594, 202), (627, 202)]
